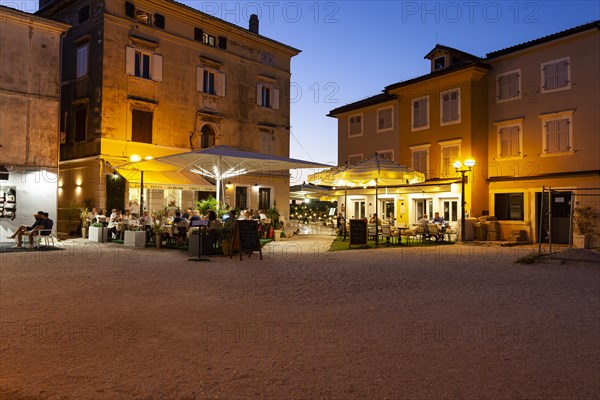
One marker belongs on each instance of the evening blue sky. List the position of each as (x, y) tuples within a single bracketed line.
[(353, 49)]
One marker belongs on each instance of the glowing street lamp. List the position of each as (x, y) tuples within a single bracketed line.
[(463, 168)]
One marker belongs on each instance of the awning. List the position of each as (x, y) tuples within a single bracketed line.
[(168, 180)]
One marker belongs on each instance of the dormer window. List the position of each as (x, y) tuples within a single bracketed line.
[(439, 63)]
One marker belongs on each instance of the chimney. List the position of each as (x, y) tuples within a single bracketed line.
[(254, 23)]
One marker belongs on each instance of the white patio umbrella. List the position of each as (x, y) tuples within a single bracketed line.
[(218, 163), (374, 171)]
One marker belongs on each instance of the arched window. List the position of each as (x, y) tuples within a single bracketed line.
[(208, 136)]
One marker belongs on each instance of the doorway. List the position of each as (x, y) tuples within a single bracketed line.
[(422, 207), (561, 215), (359, 209)]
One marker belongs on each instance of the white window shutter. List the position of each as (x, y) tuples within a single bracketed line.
[(275, 99), (220, 86), (199, 79), (156, 67), (259, 94), (130, 60)]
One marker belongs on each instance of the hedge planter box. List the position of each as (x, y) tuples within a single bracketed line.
[(135, 239), (98, 234)]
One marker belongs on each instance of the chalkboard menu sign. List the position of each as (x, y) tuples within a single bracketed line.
[(358, 232), (245, 238)]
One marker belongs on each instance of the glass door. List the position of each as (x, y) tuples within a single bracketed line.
[(359, 209)]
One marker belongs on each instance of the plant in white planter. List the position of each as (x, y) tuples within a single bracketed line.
[(273, 214), (584, 221), (98, 233)]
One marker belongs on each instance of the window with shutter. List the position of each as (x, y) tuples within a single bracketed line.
[(556, 75), (385, 119), (141, 126), (419, 161), (508, 86), (449, 155), (450, 107), (420, 113), (355, 125), (558, 136), (509, 141)]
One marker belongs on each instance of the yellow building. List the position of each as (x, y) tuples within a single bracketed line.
[(544, 130), (426, 123), (29, 113), (149, 78), (528, 115)]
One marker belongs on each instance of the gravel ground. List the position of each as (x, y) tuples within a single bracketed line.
[(448, 322)]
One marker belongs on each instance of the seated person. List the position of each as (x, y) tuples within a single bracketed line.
[(187, 214), (178, 218), (24, 228), (262, 215), (374, 219), (437, 219), (44, 228), (196, 216), (424, 222)]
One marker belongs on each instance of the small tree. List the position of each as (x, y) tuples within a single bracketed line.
[(273, 214), (583, 219)]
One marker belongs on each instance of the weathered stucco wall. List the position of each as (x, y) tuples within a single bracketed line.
[(29, 84)]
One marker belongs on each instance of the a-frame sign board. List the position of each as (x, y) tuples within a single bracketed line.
[(245, 238)]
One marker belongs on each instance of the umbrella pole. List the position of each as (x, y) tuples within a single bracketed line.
[(376, 217), (218, 193), (345, 209)]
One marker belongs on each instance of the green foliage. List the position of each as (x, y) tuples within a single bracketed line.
[(97, 225), (70, 212), (83, 216), (226, 231), (115, 189), (584, 220), (273, 214), (210, 203), (530, 258)]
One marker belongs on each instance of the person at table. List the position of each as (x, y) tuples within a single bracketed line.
[(341, 224), (437, 219), (374, 219), (24, 228), (178, 218), (196, 216), (187, 214), (44, 228), (424, 222), (115, 218)]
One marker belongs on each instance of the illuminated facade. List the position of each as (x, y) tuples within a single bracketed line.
[(527, 114), (29, 115), (151, 78)]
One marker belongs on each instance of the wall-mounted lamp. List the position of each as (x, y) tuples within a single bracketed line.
[(229, 185), (115, 175)]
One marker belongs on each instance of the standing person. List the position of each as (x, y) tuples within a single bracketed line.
[(24, 228), (341, 224)]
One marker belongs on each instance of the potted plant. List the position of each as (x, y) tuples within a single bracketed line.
[(226, 237), (98, 233), (583, 219), (85, 222), (159, 218), (273, 214)]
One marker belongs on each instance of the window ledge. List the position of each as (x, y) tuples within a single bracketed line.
[(499, 158), (506, 100), (562, 153), (385, 130), (446, 123), (419, 128)]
